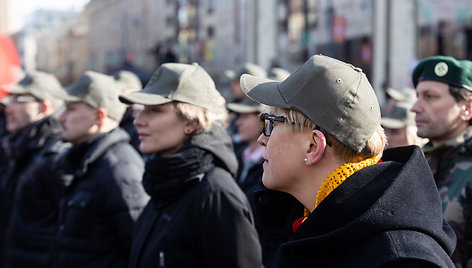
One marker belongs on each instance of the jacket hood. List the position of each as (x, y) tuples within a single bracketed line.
[(397, 194), (218, 142)]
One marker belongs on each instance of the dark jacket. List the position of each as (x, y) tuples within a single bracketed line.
[(250, 184), (385, 215), (24, 147), (197, 216), (127, 125), (102, 199), (34, 212)]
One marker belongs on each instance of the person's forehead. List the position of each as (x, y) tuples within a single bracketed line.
[(429, 85), (78, 105)]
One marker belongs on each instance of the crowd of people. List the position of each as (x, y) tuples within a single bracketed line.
[(294, 169)]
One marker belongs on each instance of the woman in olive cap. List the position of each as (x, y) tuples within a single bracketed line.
[(197, 215), (345, 202)]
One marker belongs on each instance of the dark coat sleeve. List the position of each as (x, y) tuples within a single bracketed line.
[(228, 237)]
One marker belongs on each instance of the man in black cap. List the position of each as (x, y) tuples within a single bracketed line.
[(443, 114)]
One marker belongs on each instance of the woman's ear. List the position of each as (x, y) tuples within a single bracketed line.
[(317, 147), (189, 128)]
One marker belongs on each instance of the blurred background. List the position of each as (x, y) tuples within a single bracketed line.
[(383, 37)]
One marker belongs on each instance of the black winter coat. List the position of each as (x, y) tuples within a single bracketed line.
[(34, 213), (102, 199), (25, 148), (385, 215), (251, 184), (197, 216)]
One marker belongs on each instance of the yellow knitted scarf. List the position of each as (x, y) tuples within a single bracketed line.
[(339, 176)]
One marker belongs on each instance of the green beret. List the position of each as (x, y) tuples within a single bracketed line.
[(444, 69)]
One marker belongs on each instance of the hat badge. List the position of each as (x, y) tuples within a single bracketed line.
[(441, 69)]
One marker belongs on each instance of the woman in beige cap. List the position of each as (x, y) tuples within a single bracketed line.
[(197, 215)]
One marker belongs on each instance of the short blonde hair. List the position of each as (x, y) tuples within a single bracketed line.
[(298, 122), (200, 117)]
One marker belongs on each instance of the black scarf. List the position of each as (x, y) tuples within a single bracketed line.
[(167, 178)]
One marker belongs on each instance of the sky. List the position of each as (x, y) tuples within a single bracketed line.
[(26, 7)]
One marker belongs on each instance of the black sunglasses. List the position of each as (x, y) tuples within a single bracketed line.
[(268, 122)]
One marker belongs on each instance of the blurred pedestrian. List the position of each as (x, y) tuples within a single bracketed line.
[(34, 134), (400, 127), (278, 74), (129, 82), (237, 96), (197, 215), (324, 159), (249, 176), (443, 115), (102, 175)]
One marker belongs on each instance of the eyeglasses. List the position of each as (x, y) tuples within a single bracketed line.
[(268, 122), (20, 99)]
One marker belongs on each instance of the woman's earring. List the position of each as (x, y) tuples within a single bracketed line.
[(187, 131), (306, 160)]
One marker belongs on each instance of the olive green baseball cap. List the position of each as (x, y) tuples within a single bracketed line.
[(399, 117), (333, 94), (188, 83), (278, 74), (97, 90), (43, 86), (129, 80), (251, 69), (245, 106), (444, 69)]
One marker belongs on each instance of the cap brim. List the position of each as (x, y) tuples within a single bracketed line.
[(17, 89), (263, 90), (141, 97), (392, 123), (395, 94), (243, 109)]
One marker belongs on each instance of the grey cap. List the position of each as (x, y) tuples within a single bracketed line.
[(403, 95), (334, 95), (97, 90), (245, 106), (43, 86), (252, 69), (278, 74), (399, 117), (129, 80), (188, 83)]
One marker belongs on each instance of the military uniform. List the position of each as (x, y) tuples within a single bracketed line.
[(451, 161), (451, 164)]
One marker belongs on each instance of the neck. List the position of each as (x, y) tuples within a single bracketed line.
[(312, 180), (450, 136)]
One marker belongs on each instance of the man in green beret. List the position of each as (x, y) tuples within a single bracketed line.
[(443, 115)]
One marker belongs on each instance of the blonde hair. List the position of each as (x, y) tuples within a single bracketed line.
[(298, 122), (200, 117)]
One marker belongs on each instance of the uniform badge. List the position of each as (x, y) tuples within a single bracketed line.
[(441, 69)]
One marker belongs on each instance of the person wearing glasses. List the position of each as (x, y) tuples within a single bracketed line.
[(34, 136), (343, 201), (197, 215)]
